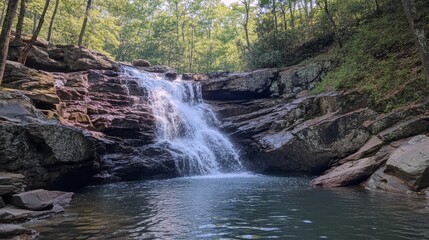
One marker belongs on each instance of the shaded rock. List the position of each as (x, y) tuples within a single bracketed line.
[(47, 153), (251, 85), (18, 76), (58, 200), (33, 200), (37, 85), (63, 58), (172, 75), (195, 77), (295, 79), (26, 38), (157, 69), (2, 203), (15, 107), (370, 147), (382, 181), (312, 145), (12, 231), (141, 63), (353, 172), (11, 183), (150, 162), (43, 151), (410, 162), (405, 129), (391, 119)]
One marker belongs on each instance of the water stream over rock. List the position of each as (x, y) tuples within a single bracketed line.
[(185, 126)]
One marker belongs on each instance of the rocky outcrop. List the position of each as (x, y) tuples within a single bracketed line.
[(110, 106), (45, 152), (264, 83), (114, 108), (281, 126), (63, 58), (402, 165), (410, 162)]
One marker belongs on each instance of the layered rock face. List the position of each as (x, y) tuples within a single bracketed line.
[(86, 90), (281, 126), (115, 110), (46, 152)]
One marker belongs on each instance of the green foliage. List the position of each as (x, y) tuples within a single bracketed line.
[(380, 59)]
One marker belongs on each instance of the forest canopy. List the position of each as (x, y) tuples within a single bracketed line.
[(199, 35), (202, 35)]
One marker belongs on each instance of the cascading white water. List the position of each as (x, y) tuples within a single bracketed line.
[(186, 126)]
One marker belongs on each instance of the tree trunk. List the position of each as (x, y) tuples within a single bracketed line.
[(5, 33), (85, 20), (20, 24), (34, 23), (246, 21), (417, 26), (292, 14), (325, 8), (283, 10), (276, 29), (51, 24), (23, 55), (377, 6), (3, 11)]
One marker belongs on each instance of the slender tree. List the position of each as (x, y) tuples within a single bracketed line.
[(85, 20), (5, 33), (324, 5), (377, 6), (20, 23), (51, 23), (246, 4), (24, 53), (417, 25), (3, 11), (274, 11)]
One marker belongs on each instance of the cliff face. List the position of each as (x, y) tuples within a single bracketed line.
[(96, 121)]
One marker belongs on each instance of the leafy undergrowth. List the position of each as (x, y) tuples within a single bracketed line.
[(381, 60)]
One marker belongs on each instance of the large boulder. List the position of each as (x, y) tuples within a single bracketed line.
[(263, 83), (313, 145), (410, 162), (44, 151)]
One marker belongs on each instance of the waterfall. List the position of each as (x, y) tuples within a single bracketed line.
[(186, 127)]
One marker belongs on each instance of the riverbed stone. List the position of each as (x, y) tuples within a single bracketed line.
[(13, 231), (33, 200), (410, 162), (353, 172)]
